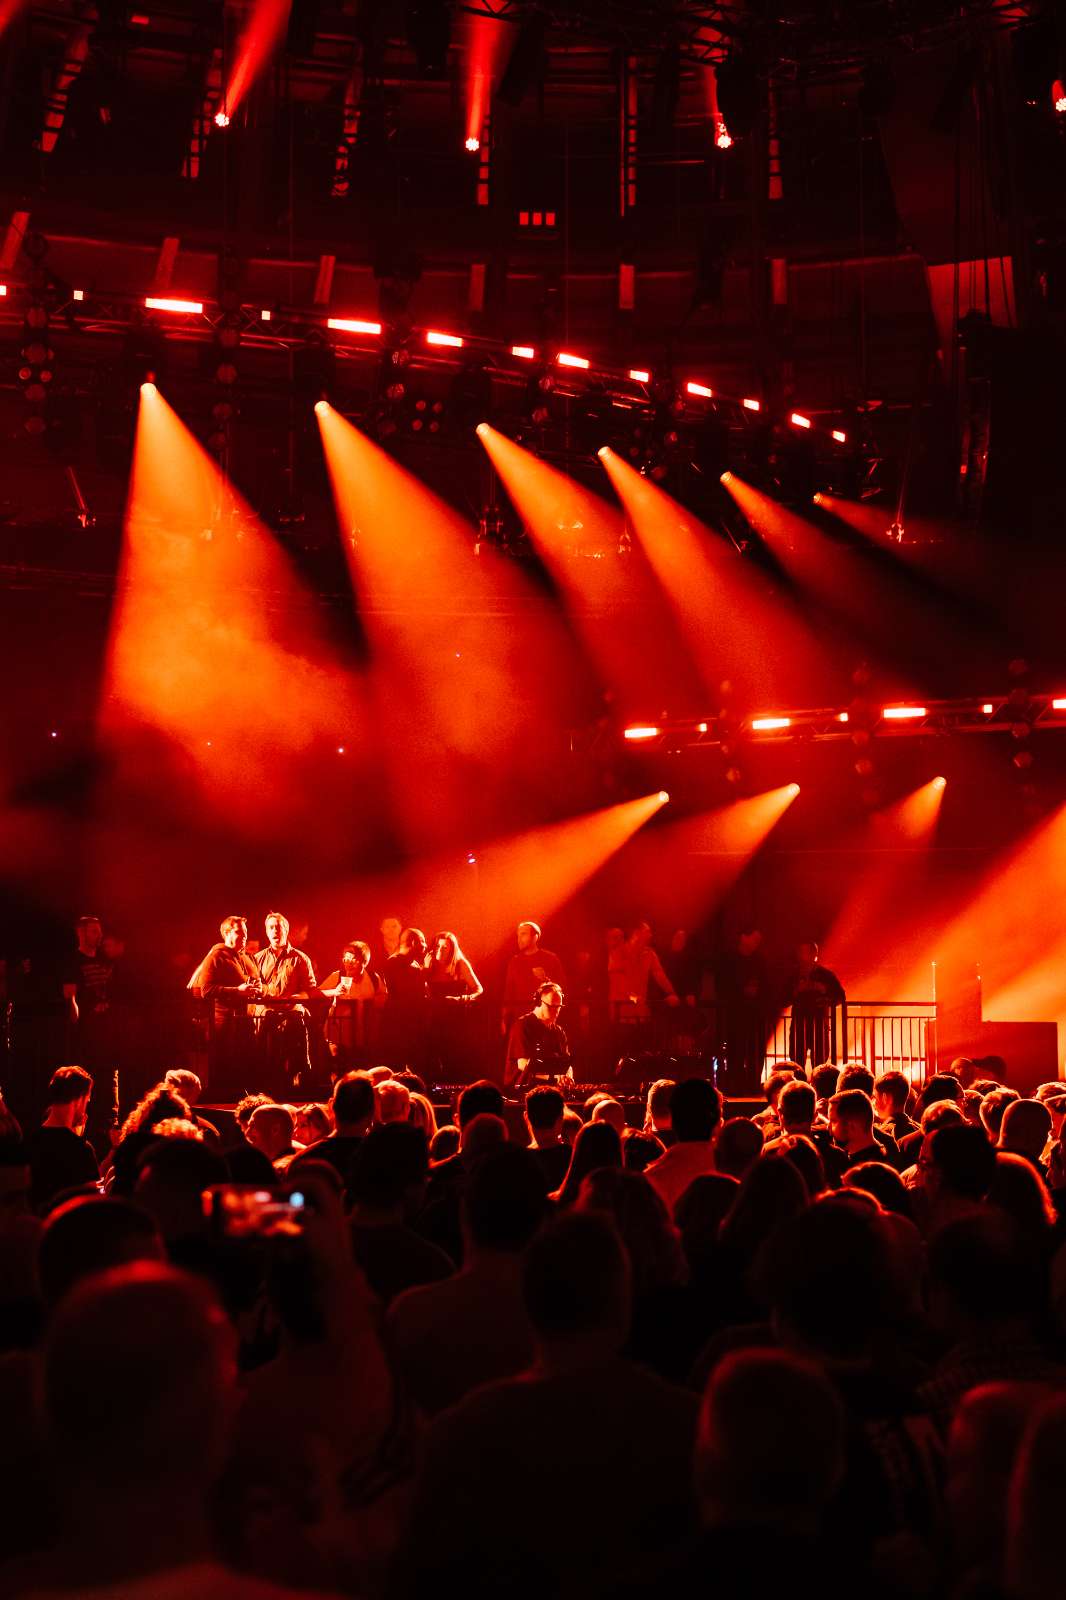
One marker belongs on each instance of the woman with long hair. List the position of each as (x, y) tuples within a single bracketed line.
[(453, 986), (596, 1146), (160, 1104), (423, 1115)]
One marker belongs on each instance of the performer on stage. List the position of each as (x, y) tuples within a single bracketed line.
[(815, 991), (403, 1033), (358, 994), (453, 986), (744, 1020), (529, 966), (287, 978), (538, 1046), (633, 968), (229, 978)]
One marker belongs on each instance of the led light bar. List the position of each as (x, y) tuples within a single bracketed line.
[(638, 375), (566, 360), (751, 405), (699, 389), (186, 308), (768, 724), (903, 713), (641, 731), (798, 420), (1059, 705), (524, 352), (451, 339), (840, 436), (352, 325)]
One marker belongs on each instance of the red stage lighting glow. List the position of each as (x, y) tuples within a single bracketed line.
[(480, 40), (524, 352), (723, 138), (638, 375), (769, 724), (3, 290), (726, 477), (798, 420), (793, 788), (432, 610), (190, 593), (221, 119), (988, 708), (699, 389), (842, 716), (752, 405), (664, 798), (840, 436), (263, 32), (940, 782), (564, 359), (321, 408), (903, 713), (185, 308), (1059, 705), (352, 325), (450, 339), (1058, 96), (77, 294), (640, 731)]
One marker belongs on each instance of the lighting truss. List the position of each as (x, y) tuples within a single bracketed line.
[(353, 337), (932, 719)]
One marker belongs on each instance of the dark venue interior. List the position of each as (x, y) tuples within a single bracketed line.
[(532, 798)]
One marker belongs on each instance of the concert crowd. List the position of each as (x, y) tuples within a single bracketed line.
[(534, 1341)]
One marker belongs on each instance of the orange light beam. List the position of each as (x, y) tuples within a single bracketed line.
[(262, 34), (466, 657), (527, 874), (873, 521), (893, 844), (193, 650), (722, 603), (1008, 925), (881, 604), (690, 865), (620, 611)]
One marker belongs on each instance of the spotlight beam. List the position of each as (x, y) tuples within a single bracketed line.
[(538, 870), (615, 604), (720, 601), (893, 844), (261, 37), (452, 678), (711, 851), (194, 652)]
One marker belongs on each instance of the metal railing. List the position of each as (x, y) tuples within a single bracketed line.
[(882, 1035)]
